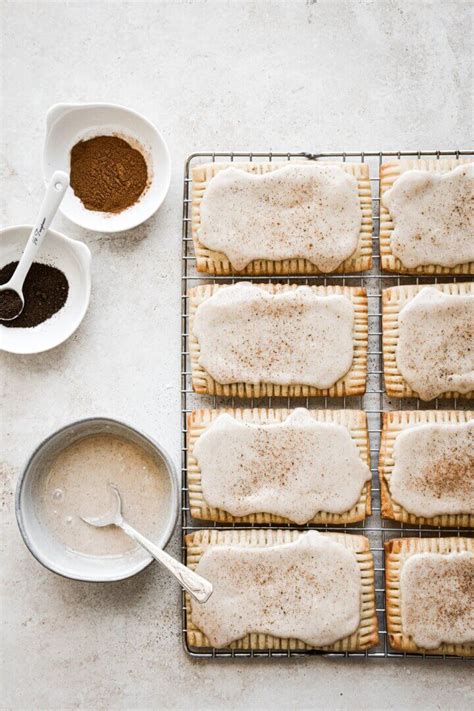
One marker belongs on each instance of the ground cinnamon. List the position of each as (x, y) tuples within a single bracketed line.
[(107, 174)]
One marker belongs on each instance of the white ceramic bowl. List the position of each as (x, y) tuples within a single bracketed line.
[(52, 553), (66, 124), (73, 258)]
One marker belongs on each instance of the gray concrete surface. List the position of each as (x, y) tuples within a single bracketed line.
[(212, 75)]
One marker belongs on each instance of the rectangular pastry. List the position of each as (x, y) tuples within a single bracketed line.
[(427, 216), (279, 466), (428, 340), (282, 589), (249, 340), (430, 595), (426, 467), (243, 215)]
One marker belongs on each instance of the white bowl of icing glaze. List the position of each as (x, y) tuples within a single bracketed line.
[(46, 547), (73, 258), (67, 124)]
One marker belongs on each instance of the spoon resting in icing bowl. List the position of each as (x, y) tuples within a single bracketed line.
[(197, 586)]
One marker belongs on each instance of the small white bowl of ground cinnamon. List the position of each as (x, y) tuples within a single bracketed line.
[(118, 162)]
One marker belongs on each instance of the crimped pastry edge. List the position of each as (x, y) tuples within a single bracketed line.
[(393, 300), (397, 551), (353, 383), (389, 173), (393, 424), (216, 263), (365, 636), (199, 420)]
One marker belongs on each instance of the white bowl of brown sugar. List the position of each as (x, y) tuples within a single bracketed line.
[(118, 162)]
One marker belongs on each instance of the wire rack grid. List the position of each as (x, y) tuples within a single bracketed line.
[(374, 402)]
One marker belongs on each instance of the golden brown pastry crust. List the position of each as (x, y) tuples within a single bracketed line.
[(365, 636), (217, 263), (199, 420), (353, 383), (389, 172), (393, 300), (396, 553), (393, 424)]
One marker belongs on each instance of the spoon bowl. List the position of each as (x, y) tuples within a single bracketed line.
[(12, 302), (112, 518), (195, 584)]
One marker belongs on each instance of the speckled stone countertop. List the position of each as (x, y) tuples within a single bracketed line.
[(212, 75)]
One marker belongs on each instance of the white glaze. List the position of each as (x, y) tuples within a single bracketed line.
[(433, 216), (293, 468), (298, 211), (435, 350), (437, 598), (434, 469), (77, 485), (433, 472), (309, 589), (248, 335)]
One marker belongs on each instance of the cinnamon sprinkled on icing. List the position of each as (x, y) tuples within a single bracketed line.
[(309, 589), (297, 211), (293, 468), (433, 214), (434, 469), (249, 335), (435, 350), (437, 598)]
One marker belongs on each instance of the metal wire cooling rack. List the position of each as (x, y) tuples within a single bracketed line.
[(374, 402)]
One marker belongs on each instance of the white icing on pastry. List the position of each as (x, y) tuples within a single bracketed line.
[(437, 598), (306, 211), (433, 215), (309, 589), (434, 469), (293, 468), (435, 350), (249, 335)]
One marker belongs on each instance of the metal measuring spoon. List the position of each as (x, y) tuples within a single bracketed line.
[(196, 586), (55, 192)]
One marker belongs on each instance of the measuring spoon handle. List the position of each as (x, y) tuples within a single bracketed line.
[(55, 192), (196, 586)]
